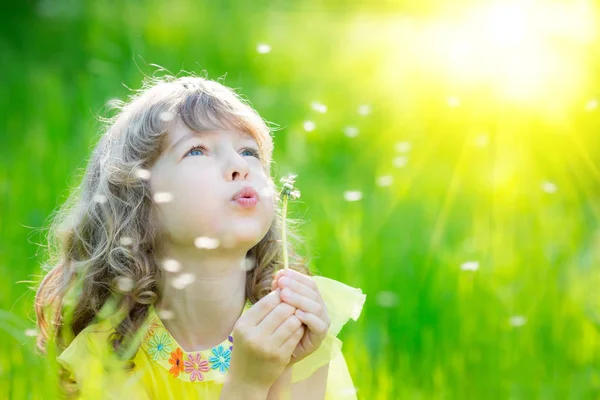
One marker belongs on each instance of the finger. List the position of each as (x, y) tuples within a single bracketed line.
[(303, 303), (274, 284), (298, 287), (276, 317), (292, 342), (262, 308), (307, 280), (316, 325), (285, 330)]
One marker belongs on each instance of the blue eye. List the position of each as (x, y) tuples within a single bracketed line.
[(196, 151), (252, 150)]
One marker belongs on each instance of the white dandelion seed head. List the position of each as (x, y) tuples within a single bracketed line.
[(100, 198), (309, 126), (453, 101), (142, 173), (351, 131), (204, 242), (400, 161), (385, 180), (591, 105), (166, 314), (183, 280), (295, 194), (171, 265), (517, 320), (166, 116), (126, 241), (31, 332), (364, 109), (163, 197), (403, 147), (319, 107), (263, 48), (114, 103), (549, 187), (352, 195), (124, 284), (470, 266), (386, 299)]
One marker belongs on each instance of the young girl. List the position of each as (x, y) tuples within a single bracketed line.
[(167, 279)]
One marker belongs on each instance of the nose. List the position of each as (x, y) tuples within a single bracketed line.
[(236, 168)]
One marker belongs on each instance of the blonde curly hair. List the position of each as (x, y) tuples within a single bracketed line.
[(103, 233)]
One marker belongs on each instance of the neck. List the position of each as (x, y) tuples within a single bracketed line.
[(203, 312)]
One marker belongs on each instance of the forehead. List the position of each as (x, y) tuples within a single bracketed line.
[(180, 132)]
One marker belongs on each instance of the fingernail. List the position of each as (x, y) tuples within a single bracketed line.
[(283, 280), (300, 313)]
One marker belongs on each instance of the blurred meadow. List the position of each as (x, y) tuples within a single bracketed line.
[(447, 154)]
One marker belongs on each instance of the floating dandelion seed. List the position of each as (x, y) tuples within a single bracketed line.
[(549, 187), (166, 116), (352, 195), (318, 107), (163, 197), (142, 173), (403, 147), (481, 140), (204, 242), (591, 105), (249, 264), (351, 131), (385, 180), (309, 126), (124, 284), (517, 320), (364, 109), (171, 265), (263, 48), (287, 190), (470, 266), (31, 332), (386, 299), (453, 101), (166, 314), (400, 161), (100, 198), (266, 192), (183, 280), (126, 241)]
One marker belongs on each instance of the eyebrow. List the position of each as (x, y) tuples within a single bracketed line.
[(244, 135)]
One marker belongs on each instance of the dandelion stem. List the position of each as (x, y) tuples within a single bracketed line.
[(283, 233)]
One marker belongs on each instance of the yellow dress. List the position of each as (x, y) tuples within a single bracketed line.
[(164, 371)]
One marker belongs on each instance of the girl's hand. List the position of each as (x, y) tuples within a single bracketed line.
[(265, 337), (301, 291)]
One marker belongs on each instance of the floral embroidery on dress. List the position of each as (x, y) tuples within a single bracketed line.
[(221, 359), (153, 325), (195, 366), (159, 346), (176, 361), (230, 338)]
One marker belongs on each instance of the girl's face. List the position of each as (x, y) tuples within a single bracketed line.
[(193, 182)]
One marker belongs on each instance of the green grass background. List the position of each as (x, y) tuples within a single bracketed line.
[(471, 189)]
